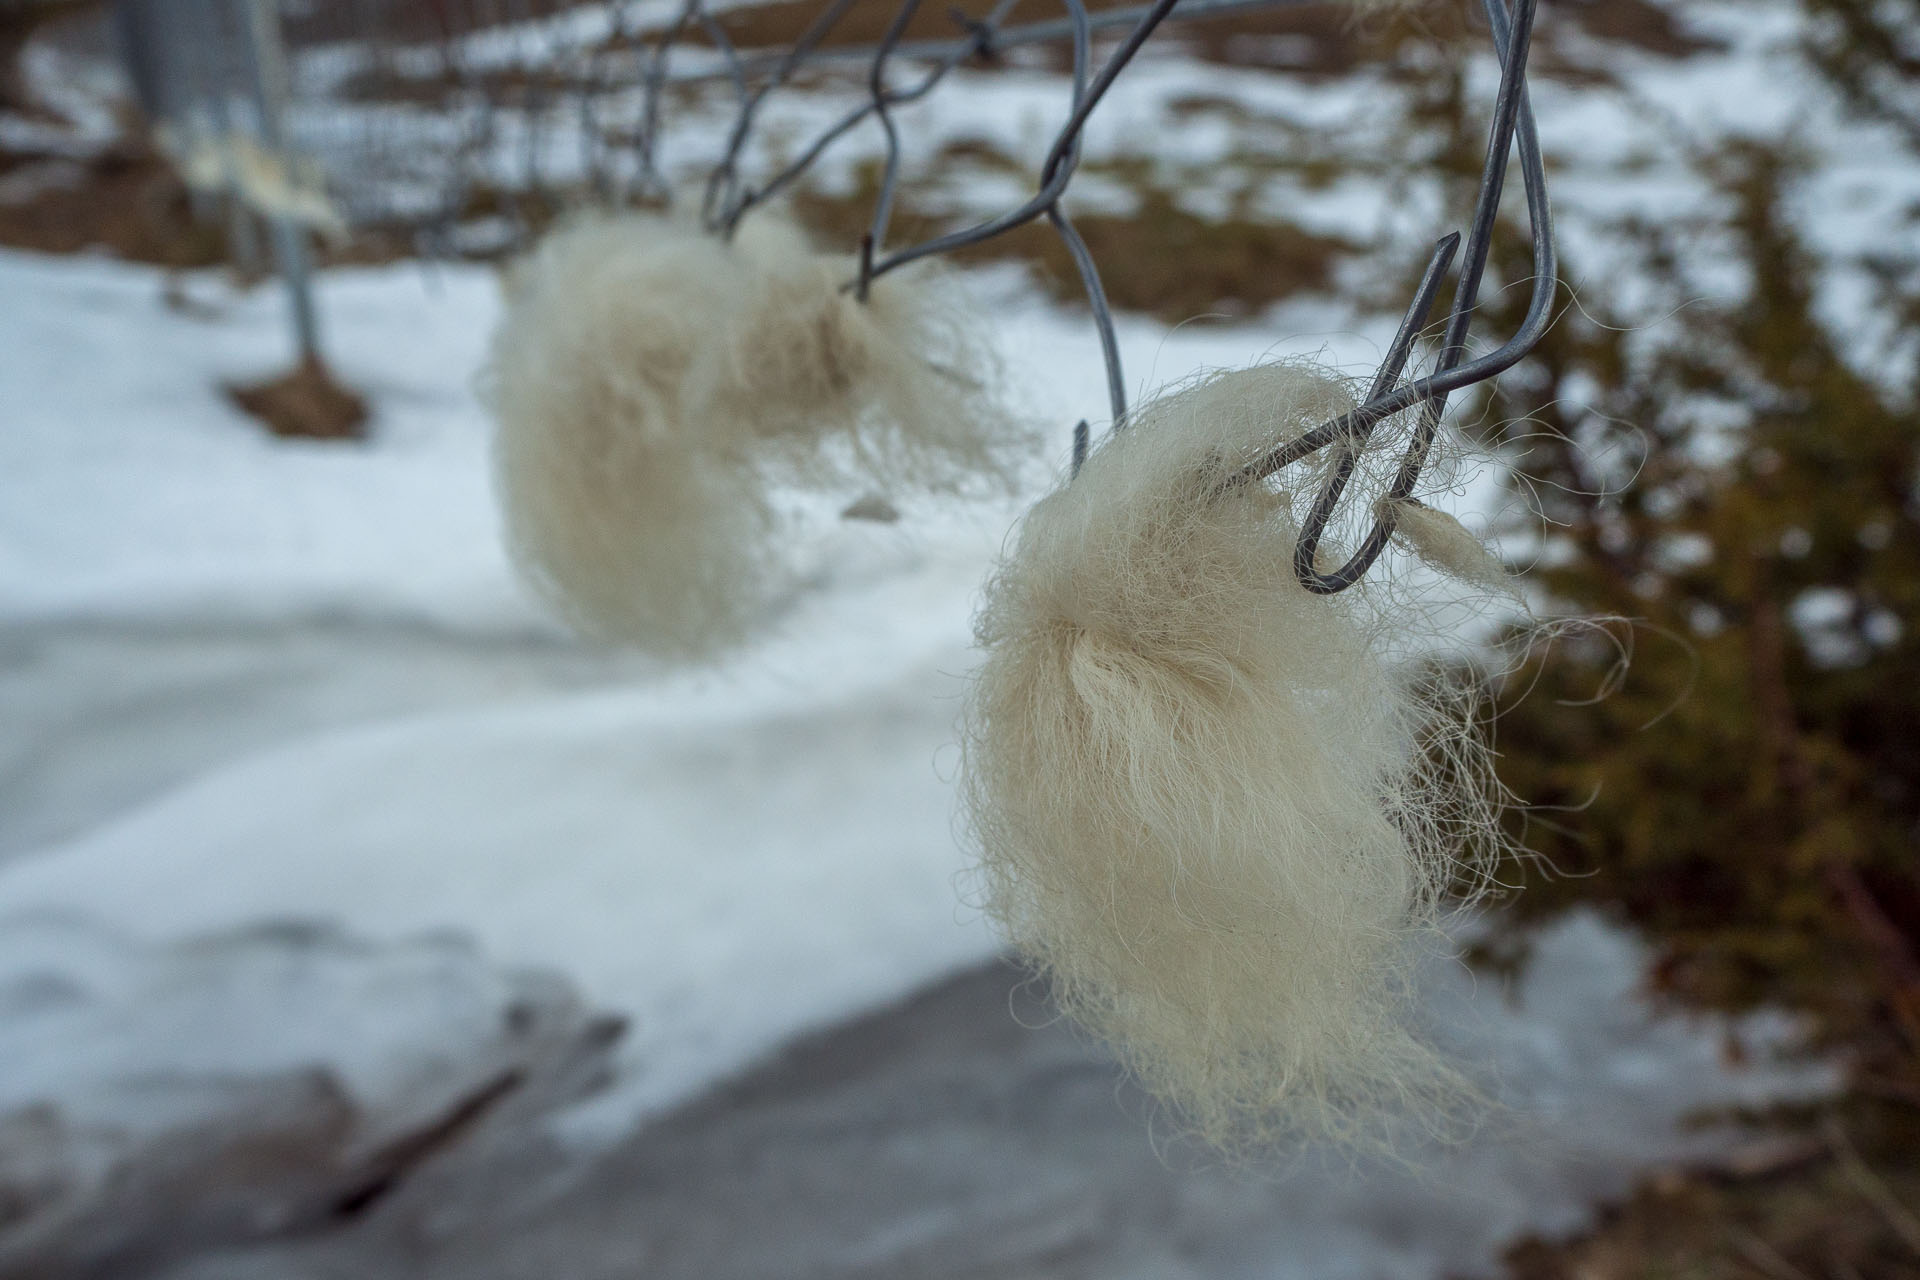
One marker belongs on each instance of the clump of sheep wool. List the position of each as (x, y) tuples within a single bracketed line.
[(638, 523), (1205, 802), (896, 389), (653, 385)]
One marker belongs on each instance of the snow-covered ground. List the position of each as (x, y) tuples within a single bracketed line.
[(251, 685)]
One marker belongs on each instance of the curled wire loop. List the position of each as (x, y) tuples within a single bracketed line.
[(1512, 122)]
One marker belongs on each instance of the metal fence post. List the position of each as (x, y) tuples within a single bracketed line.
[(267, 67)]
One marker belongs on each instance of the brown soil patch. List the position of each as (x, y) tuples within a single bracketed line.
[(1638, 24), (1312, 39), (778, 25), (307, 403), (1318, 37), (1177, 265), (125, 200), (1159, 259), (1308, 39)]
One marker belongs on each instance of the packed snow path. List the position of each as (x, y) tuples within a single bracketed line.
[(943, 1139)]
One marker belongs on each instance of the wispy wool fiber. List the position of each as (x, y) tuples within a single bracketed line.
[(899, 390), (1443, 543), (1203, 800)]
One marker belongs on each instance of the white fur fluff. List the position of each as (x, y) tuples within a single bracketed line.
[(1204, 801), (651, 384)]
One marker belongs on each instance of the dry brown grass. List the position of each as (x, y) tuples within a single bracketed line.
[(777, 25), (1837, 1215), (126, 201), (1160, 259)]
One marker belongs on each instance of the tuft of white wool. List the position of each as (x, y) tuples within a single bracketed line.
[(1443, 543), (637, 522), (902, 384), (1207, 803), (651, 384), (276, 184), (283, 185)]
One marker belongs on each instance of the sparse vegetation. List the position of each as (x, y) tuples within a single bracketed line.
[(1749, 797)]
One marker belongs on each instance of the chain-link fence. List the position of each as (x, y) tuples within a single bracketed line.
[(464, 123)]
